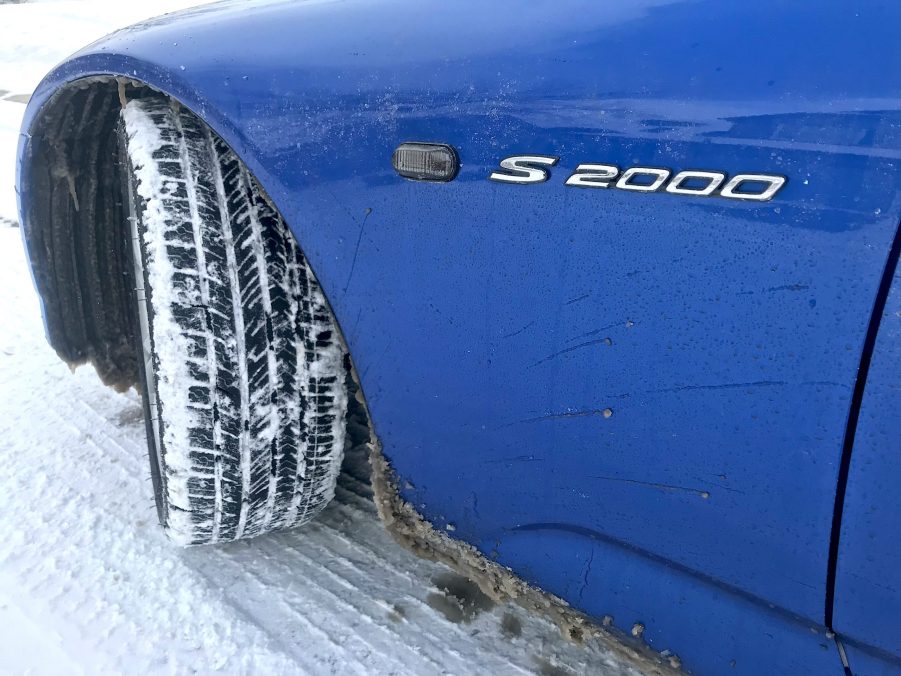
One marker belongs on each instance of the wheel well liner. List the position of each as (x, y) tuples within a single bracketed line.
[(73, 216)]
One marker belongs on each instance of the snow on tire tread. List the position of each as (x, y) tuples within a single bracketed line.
[(247, 357)]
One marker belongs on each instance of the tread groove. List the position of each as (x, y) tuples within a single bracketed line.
[(248, 366)]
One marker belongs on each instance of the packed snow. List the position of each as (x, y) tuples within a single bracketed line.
[(89, 583)]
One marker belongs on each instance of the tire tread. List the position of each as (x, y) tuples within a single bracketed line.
[(264, 379)]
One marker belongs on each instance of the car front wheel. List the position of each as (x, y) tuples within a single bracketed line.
[(244, 380)]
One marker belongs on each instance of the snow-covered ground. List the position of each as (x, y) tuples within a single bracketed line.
[(88, 581)]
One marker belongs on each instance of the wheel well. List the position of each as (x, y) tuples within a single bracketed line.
[(74, 218), (74, 224)]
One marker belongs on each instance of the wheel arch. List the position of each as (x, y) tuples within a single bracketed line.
[(69, 186), (70, 207)]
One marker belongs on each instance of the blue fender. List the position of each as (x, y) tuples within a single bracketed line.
[(635, 401)]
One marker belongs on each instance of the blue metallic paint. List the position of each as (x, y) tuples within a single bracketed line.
[(493, 324), (868, 586), (866, 663)]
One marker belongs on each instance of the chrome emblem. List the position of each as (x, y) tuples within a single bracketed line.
[(524, 169)]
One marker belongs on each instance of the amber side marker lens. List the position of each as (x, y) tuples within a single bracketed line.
[(426, 161)]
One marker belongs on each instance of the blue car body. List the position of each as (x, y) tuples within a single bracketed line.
[(675, 411)]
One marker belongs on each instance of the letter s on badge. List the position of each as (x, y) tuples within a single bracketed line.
[(519, 169)]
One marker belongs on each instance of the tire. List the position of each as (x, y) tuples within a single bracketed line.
[(244, 378)]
